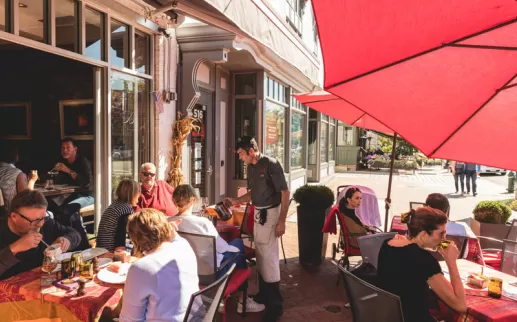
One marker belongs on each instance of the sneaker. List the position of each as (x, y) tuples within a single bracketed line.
[(475, 194), (251, 306)]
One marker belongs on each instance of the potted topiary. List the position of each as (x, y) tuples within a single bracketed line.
[(489, 220), (314, 202)]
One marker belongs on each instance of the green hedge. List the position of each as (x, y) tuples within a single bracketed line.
[(314, 196), (399, 164), (492, 212)]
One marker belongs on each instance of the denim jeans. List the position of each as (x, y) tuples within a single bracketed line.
[(239, 260)]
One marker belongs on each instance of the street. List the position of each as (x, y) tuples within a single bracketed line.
[(416, 187)]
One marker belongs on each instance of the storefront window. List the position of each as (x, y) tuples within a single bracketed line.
[(274, 130), (297, 146), (66, 25), (119, 51), (313, 137), (2, 15), (129, 126), (142, 48), (345, 134), (323, 142), (275, 90), (245, 124), (94, 31), (32, 20), (332, 140)]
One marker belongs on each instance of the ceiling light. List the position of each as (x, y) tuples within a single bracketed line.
[(22, 5)]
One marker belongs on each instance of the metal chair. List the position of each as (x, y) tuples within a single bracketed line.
[(509, 257), (369, 303), (492, 248), (370, 245), (204, 247), (203, 305), (415, 205)]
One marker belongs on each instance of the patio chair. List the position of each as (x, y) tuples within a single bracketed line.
[(370, 245), (247, 229), (205, 250), (370, 303), (415, 205), (492, 255), (509, 257), (204, 304)]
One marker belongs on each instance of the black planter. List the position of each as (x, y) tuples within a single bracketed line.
[(312, 243)]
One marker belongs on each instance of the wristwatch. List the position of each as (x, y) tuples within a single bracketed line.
[(72, 173)]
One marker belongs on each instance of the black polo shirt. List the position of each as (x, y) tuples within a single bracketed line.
[(83, 168), (266, 180)]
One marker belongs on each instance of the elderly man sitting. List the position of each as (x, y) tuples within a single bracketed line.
[(155, 194), (22, 233)]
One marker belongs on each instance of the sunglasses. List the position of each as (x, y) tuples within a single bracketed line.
[(148, 174), (34, 222)]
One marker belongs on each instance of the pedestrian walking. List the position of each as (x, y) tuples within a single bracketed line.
[(471, 172), (458, 170), (267, 189)]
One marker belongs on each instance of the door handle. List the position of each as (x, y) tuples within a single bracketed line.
[(209, 170)]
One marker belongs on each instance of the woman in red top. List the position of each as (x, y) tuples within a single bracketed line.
[(156, 194)]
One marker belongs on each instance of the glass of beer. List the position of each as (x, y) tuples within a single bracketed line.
[(495, 287), (444, 244), (77, 258)]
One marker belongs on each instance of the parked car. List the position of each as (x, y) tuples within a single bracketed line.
[(486, 169)]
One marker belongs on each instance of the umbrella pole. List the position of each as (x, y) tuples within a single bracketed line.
[(388, 198)]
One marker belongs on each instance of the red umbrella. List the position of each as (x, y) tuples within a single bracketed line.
[(440, 73), (346, 112)]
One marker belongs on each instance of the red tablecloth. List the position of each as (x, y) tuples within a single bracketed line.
[(20, 299)]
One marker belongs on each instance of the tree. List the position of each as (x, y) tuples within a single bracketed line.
[(403, 147)]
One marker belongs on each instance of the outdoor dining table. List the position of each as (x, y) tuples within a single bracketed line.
[(59, 189), (24, 297), (480, 306)]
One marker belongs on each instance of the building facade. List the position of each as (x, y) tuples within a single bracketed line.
[(114, 75)]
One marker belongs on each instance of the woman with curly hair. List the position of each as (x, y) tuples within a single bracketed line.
[(159, 284)]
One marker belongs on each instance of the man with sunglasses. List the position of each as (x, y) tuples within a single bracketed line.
[(156, 194), (24, 229)]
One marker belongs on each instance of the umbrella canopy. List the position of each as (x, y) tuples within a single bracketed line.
[(441, 73), (340, 109)]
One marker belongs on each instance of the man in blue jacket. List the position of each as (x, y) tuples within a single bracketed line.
[(471, 172)]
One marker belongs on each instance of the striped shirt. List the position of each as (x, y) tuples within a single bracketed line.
[(8, 176), (112, 228)]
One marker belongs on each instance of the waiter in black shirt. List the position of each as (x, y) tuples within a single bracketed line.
[(22, 232), (74, 170), (268, 191)]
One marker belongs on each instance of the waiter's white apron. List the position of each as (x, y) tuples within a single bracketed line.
[(266, 245)]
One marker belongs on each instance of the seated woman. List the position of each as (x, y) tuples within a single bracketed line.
[(440, 202), (112, 228), (185, 197), (160, 283), (347, 206), (406, 267)]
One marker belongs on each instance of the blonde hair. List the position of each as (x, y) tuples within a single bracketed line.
[(148, 229), (184, 192), (127, 189)]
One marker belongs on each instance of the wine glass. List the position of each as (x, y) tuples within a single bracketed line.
[(49, 261)]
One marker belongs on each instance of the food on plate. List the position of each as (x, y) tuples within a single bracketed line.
[(478, 280), (118, 268), (67, 281)]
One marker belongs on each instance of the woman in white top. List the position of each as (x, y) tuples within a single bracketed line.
[(160, 283), (184, 198)]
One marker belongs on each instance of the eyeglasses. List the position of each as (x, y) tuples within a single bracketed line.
[(148, 174), (34, 222)]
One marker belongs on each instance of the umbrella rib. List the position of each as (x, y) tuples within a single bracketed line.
[(472, 115), (481, 46), (421, 54), (321, 101), (360, 117)]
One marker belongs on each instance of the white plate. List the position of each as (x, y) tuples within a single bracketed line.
[(108, 276)]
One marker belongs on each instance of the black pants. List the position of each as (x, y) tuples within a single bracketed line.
[(461, 176), (471, 175)]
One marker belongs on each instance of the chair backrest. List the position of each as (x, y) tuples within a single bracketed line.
[(248, 220), (461, 244), (204, 304), (370, 303), (204, 248), (512, 233), (509, 257), (370, 245), (415, 205)]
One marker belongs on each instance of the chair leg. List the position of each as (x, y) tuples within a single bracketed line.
[(283, 251)]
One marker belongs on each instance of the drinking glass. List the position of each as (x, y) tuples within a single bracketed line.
[(204, 203), (49, 261), (495, 287)]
